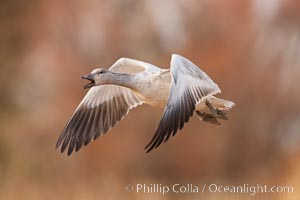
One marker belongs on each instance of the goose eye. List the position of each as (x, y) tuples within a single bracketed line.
[(101, 72)]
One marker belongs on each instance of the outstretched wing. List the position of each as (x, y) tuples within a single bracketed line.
[(98, 112), (188, 87), (101, 108)]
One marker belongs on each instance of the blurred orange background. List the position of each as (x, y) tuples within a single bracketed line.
[(250, 48)]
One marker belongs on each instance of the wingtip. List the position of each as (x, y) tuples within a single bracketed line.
[(62, 150), (70, 151), (149, 147), (175, 57), (148, 150)]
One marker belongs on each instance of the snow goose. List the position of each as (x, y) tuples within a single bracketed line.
[(128, 83)]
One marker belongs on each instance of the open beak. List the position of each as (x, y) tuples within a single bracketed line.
[(89, 77)]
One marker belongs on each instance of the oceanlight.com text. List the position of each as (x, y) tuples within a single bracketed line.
[(211, 188)]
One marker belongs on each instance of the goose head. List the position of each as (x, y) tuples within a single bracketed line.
[(98, 76)]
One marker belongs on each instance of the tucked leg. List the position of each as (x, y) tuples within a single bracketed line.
[(207, 117), (217, 113)]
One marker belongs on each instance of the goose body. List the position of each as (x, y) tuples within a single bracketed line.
[(152, 87), (128, 83)]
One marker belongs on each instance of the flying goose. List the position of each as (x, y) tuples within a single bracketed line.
[(128, 83)]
